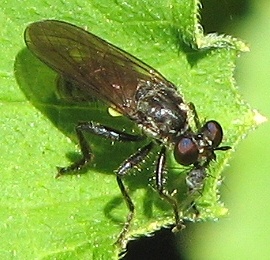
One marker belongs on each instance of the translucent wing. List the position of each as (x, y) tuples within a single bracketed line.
[(97, 67)]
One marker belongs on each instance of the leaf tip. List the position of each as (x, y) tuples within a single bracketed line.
[(258, 118)]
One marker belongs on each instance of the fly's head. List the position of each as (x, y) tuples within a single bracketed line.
[(199, 149)]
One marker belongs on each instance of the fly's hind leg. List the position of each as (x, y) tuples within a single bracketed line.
[(130, 163), (97, 129)]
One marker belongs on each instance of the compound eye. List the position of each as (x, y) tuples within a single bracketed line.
[(186, 151), (213, 131)]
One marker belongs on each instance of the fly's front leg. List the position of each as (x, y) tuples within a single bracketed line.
[(87, 154), (130, 163), (195, 115), (160, 182)]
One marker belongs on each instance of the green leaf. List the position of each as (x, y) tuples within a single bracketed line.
[(79, 217)]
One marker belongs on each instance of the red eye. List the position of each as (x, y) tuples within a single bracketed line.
[(186, 151), (213, 131)]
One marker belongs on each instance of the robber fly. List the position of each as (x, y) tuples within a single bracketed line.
[(134, 89)]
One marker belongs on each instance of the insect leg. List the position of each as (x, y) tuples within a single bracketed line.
[(87, 155), (130, 163), (160, 181), (195, 115)]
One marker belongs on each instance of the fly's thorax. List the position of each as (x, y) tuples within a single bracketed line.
[(161, 111)]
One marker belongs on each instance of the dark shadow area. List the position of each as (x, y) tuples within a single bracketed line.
[(162, 245), (217, 15), (193, 54), (38, 83)]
